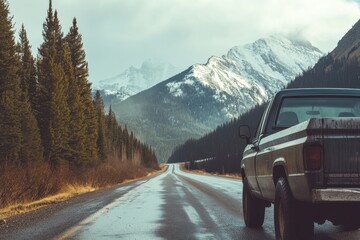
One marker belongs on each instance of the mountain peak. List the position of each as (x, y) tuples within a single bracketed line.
[(206, 95), (134, 80), (265, 65)]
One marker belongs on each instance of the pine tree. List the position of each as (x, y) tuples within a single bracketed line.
[(28, 71), (59, 39), (78, 58), (126, 138), (59, 117), (80, 68), (21, 46), (53, 92), (10, 127), (130, 146), (120, 142), (31, 149), (102, 145), (77, 138), (45, 62), (112, 127)]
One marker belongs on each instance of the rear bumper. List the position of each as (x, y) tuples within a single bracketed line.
[(336, 195)]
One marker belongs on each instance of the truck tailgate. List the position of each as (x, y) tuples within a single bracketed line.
[(341, 143)]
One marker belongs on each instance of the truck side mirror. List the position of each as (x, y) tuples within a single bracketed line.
[(244, 133)]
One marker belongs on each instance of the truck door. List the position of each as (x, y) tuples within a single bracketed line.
[(263, 168), (252, 157)]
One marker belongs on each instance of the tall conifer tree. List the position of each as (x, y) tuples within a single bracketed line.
[(112, 127), (31, 149), (102, 144), (77, 137), (46, 59), (28, 76), (53, 109), (10, 128), (80, 67)]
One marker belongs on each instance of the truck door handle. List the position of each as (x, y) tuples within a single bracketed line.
[(255, 147)]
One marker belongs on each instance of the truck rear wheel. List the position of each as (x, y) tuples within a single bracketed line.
[(292, 221), (253, 208)]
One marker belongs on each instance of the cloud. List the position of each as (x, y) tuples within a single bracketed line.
[(120, 33)]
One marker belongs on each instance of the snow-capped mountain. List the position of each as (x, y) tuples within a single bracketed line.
[(249, 74), (134, 80), (202, 97)]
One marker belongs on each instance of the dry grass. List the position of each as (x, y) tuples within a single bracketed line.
[(28, 189), (202, 172), (27, 184), (31, 206)]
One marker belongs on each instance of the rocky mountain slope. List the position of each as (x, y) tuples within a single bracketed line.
[(349, 45), (204, 96)]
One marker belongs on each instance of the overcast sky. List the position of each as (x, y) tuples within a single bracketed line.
[(118, 34)]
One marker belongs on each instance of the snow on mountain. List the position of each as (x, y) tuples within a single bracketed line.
[(134, 80), (250, 73), (202, 97)]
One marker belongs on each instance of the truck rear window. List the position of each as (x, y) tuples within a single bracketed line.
[(294, 110)]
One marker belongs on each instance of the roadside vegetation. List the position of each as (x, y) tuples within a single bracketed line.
[(185, 166), (55, 137), (28, 189)]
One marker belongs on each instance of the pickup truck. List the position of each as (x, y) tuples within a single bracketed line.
[(305, 159)]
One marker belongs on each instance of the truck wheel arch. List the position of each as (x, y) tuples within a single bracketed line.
[(279, 170)]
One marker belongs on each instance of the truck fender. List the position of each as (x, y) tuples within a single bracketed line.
[(279, 169)]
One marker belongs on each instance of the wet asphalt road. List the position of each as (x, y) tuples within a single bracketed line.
[(172, 205)]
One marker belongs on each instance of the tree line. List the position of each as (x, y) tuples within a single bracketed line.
[(48, 113), (224, 148)]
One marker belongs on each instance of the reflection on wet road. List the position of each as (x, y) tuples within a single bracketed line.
[(172, 205), (179, 205)]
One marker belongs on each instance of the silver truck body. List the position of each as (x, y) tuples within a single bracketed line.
[(304, 158), (339, 175)]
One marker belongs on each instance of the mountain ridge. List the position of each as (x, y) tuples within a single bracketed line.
[(349, 44), (203, 96)]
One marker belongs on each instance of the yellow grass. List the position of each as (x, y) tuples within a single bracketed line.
[(66, 193), (88, 184), (202, 172)]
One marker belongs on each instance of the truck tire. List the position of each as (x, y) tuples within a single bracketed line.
[(253, 208), (292, 221)]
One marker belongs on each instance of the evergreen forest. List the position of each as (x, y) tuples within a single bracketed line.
[(53, 131)]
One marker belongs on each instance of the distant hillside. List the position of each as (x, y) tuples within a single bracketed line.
[(340, 68)]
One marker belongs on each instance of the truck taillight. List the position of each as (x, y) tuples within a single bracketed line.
[(312, 157)]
